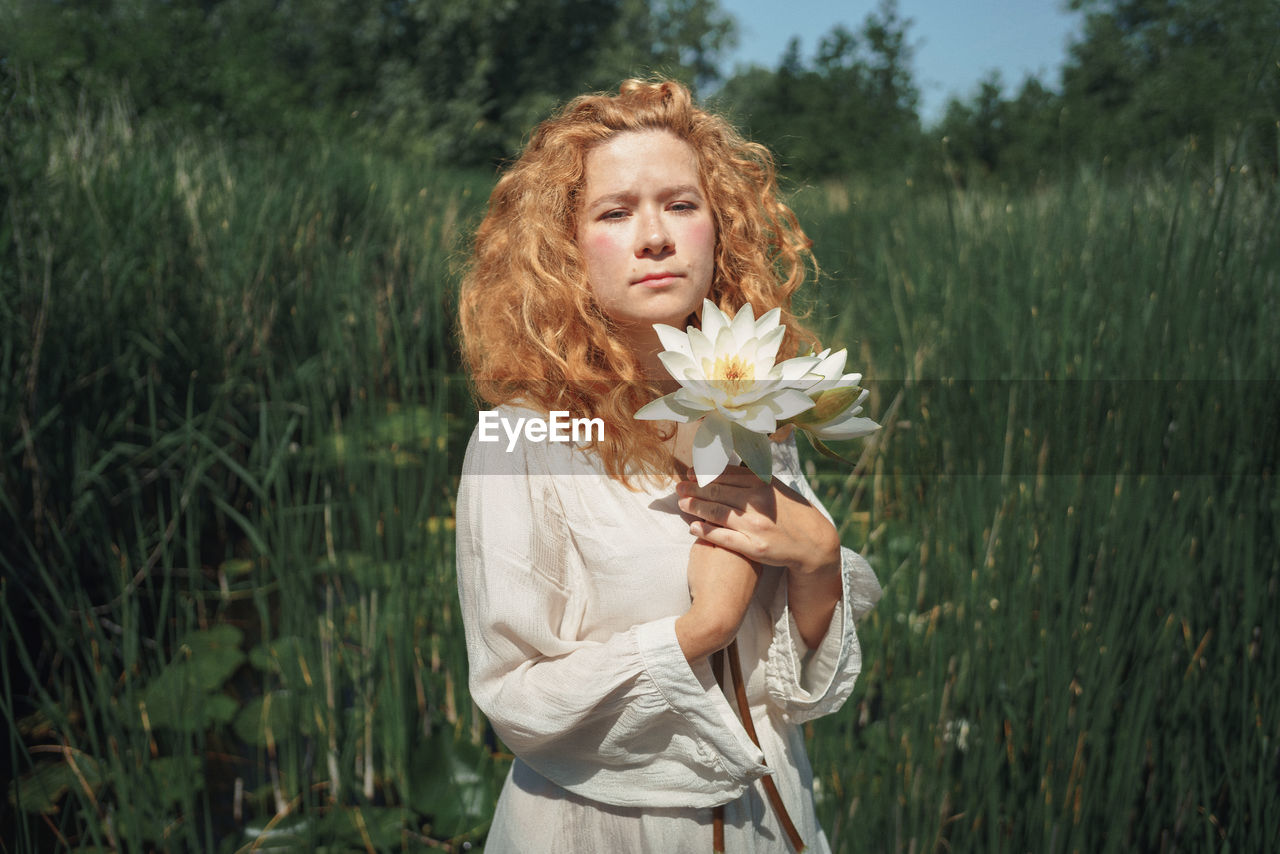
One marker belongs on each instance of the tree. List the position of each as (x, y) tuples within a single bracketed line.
[(457, 81), (1149, 83), (1150, 77), (852, 108)]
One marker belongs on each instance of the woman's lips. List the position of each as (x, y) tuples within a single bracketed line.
[(657, 280)]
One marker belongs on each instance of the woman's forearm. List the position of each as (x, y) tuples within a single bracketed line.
[(721, 584), (812, 597)]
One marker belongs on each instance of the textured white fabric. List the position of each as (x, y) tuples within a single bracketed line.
[(570, 586)]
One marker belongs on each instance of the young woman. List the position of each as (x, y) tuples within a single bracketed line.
[(597, 580)]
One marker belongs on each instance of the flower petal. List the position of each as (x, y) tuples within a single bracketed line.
[(689, 398), (757, 390), (748, 349), (847, 427), (712, 445), (680, 366), (668, 408), (702, 390), (673, 339), (830, 368), (768, 321), (767, 350), (743, 326), (702, 347), (797, 369), (726, 344), (759, 417), (713, 320), (788, 402)]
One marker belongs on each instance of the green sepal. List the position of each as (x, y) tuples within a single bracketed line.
[(822, 448)]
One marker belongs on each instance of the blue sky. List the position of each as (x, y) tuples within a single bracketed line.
[(957, 41)]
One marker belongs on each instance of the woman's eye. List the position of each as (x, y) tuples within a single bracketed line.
[(615, 215), (682, 207)]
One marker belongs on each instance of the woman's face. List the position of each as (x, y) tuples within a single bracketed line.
[(646, 232)]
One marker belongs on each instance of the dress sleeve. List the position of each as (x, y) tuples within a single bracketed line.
[(809, 684), (621, 719)]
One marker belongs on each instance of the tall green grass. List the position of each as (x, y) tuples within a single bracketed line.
[(231, 423), (1073, 510), (227, 598)]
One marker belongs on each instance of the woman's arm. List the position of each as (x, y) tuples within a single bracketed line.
[(628, 718), (773, 524), (813, 597), (721, 583), (827, 587)]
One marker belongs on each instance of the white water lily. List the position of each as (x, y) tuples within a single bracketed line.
[(837, 410), (730, 379)]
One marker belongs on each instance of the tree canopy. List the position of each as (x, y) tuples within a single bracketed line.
[(1147, 82)]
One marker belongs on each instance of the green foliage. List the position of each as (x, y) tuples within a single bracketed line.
[(1071, 508), (849, 110), (455, 82), (184, 330), (225, 375), (1175, 70), (186, 694), (1150, 84)]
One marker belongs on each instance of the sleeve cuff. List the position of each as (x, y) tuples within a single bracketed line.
[(820, 685), (692, 692), (816, 668)]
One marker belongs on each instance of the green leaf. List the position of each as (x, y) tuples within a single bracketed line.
[(177, 777), (237, 567), (454, 782), (283, 655), (279, 712), (48, 782), (365, 571), (336, 829), (360, 827), (754, 450), (184, 696), (403, 436)]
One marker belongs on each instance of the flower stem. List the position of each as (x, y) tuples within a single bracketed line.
[(744, 712)]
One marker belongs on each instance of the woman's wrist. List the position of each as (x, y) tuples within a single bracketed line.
[(701, 633), (818, 564)]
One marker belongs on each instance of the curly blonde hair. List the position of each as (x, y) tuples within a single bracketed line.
[(530, 327)]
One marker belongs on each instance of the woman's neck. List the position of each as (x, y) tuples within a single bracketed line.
[(646, 346)]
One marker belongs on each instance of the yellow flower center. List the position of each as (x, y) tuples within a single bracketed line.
[(732, 373)]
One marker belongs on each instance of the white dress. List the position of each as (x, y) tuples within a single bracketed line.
[(570, 587)]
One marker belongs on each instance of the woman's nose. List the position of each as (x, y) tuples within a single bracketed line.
[(654, 237)]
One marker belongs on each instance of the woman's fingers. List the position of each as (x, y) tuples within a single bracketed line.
[(726, 538), (712, 511), (722, 493), (769, 523)]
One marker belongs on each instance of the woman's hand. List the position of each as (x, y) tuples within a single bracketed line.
[(721, 583), (772, 524), (767, 523)]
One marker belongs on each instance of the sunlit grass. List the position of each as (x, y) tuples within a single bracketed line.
[(231, 422), (1072, 510)]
